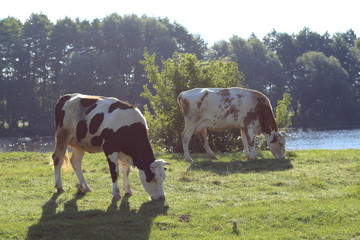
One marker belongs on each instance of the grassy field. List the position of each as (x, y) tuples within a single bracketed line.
[(310, 195)]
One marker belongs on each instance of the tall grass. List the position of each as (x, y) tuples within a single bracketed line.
[(310, 195)]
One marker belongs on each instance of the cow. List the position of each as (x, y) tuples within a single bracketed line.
[(220, 109), (105, 124)]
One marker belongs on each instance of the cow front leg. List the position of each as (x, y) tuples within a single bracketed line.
[(76, 160), (248, 142), (126, 183), (114, 171), (186, 136), (205, 141)]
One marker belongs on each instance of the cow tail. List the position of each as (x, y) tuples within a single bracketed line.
[(179, 100), (66, 163)]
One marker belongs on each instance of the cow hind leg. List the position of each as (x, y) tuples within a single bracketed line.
[(62, 141), (186, 136), (114, 171), (76, 160), (202, 134)]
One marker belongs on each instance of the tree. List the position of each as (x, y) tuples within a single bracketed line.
[(322, 92), (261, 67), (10, 54), (283, 112), (182, 72)]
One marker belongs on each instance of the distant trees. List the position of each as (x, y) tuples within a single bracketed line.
[(41, 60)]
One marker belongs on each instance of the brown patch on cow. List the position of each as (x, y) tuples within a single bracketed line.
[(97, 141), (262, 112), (267, 119), (202, 99), (225, 99), (232, 111), (95, 123), (224, 93), (239, 96), (250, 118), (185, 105), (59, 112), (90, 109), (81, 130), (119, 105), (89, 100)]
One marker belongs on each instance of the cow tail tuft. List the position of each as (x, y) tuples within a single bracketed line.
[(66, 163)]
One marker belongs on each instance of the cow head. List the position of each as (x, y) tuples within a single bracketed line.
[(277, 145), (155, 188)]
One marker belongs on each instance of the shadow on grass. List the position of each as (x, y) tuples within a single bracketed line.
[(241, 166), (114, 223)]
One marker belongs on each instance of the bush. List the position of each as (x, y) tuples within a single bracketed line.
[(182, 72)]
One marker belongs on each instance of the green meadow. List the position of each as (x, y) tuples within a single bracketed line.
[(313, 194)]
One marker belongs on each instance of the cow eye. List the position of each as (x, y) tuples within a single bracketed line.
[(165, 168)]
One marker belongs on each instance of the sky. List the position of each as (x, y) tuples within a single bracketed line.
[(212, 20)]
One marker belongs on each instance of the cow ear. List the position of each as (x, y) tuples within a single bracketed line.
[(274, 138)]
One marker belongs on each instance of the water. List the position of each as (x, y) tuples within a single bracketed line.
[(297, 140), (27, 144), (330, 139)]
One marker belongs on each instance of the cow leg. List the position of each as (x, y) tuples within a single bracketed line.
[(125, 168), (248, 141), (186, 136), (205, 141), (76, 160), (114, 171), (62, 141)]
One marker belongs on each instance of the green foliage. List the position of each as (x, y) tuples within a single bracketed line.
[(283, 112), (261, 68), (311, 195), (181, 72), (325, 98), (41, 61)]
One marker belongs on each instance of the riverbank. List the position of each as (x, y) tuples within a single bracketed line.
[(298, 139)]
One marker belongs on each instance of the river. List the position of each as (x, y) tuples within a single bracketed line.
[(297, 140)]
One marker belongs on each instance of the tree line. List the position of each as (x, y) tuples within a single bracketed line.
[(41, 60)]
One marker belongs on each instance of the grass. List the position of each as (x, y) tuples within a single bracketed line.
[(312, 194)]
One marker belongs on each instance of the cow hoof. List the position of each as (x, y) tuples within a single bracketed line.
[(117, 197), (128, 194), (60, 190), (189, 160), (83, 189), (213, 157)]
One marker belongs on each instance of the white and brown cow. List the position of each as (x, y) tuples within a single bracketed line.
[(226, 108), (94, 124)]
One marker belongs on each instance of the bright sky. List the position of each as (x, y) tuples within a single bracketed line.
[(213, 20)]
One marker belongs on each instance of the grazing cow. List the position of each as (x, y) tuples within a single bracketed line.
[(226, 108), (94, 124)]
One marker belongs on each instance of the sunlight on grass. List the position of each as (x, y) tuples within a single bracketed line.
[(312, 194)]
